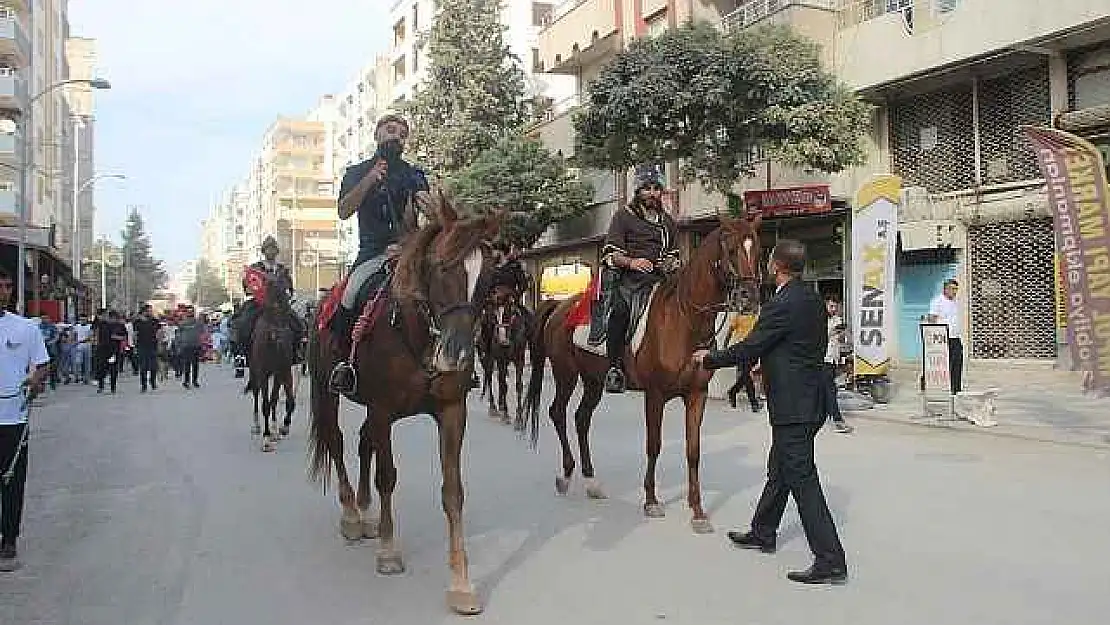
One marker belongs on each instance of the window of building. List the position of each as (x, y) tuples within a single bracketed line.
[(541, 13), (399, 71), (399, 33), (657, 24), (537, 62), (6, 13), (416, 17), (415, 59)]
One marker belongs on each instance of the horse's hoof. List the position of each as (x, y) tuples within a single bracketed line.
[(464, 602), (562, 485), (256, 430), (390, 564), (351, 529), (701, 526), (268, 445), (370, 528), (593, 490), (654, 510)]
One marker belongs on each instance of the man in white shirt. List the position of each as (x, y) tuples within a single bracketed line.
[(23, 360), (945, 309), (82, 355)]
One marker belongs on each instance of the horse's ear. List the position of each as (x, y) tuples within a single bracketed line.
[(445, 210)]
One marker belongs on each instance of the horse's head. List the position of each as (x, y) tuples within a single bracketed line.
[(440, 269), (739, 261)]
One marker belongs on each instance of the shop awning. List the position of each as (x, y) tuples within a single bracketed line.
[(1085, 120)]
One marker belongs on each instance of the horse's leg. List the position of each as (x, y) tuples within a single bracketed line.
[(518, 425), (695, 411), (256, 429), (270, 385), (290, 403), (452, 428), (503, 388), (564, 388), (327, 412), (583, 417), (653, 418), (365, 460), (487, 382), (385, 478)]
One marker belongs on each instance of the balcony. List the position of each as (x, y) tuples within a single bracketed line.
[(19, 6), (13, 42), (8, 144), (580, 34), (13, 93), (754, 11), (919, 36), (7, 201)]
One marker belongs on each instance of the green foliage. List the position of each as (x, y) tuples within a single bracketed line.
[(474, 94), (713, 101), (520, 175), (143, 274), (208, 289)]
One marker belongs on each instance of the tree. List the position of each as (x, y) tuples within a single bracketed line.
[(713, 101), (143, 273), (208, 289), (520, 175), (475, 89)]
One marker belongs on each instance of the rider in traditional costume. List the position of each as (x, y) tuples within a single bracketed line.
[(640, 249), (252, 310), (508, 280), (387, 193)]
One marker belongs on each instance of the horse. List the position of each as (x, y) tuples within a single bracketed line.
[(415, 354), (272, 352), (505, 338), (680, 319)]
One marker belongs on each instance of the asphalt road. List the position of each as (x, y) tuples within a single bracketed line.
[(160, 509)]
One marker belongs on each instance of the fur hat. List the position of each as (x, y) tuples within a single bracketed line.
[(647, 175)]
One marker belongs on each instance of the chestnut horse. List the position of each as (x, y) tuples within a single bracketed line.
[(417, 358), (680, 320)]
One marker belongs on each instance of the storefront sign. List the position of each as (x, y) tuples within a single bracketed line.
[(874, 241), (808, 200), (934, 358), (1077, 195)]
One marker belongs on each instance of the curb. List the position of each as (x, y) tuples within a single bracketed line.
[(872, 415)]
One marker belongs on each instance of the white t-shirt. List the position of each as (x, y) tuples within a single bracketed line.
[(948, 311), (82, 331), (21, 349), (832, 350)]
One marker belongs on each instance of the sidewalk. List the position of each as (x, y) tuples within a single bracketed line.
[(1034, 402)]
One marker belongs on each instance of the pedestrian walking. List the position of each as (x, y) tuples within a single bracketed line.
[(23, 363), (83, 350), (188, 345), (945, 309), (146, 348), (738, 330), (110, 337), (832, 357), (790, 339)]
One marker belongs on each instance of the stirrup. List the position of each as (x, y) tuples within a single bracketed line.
[(336, 378), (614, 380)]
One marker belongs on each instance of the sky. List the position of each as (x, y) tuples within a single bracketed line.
[(196, 84)]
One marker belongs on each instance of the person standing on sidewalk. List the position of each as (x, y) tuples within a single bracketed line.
[(832, 357), (23, 361), (789, 340), (146, 348), (83, 352), (738, 330), (945, 309), (188, 345)]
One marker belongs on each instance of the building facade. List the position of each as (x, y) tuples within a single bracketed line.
[(81, 56), (950, 97)]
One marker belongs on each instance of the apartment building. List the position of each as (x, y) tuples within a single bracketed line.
[(408, 59), (80, 54), (949, 95), (223, 239)]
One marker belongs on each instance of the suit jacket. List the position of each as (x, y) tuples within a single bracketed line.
[(789, 339)]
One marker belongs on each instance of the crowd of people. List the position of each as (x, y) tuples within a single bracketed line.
[(149, 346)]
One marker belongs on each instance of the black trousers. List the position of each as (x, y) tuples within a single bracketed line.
[(105, 369), (11, 493), (147, 357), (615, 340), (956, 364), (832, 404), (791, 471), (744, 380), (190, 363)]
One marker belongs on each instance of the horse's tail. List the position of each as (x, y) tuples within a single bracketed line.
[(538, 350), (323, 427)]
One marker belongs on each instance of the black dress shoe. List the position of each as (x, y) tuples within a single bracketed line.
[(819, 575), (748, 540)]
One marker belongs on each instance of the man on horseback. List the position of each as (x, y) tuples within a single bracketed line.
[(641, 248), (252, 309), (386, 193), (508, 280)]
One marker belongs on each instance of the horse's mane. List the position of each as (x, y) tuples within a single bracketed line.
[(413, 262), (694, 274)]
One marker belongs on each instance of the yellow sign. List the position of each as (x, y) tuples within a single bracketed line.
[(564, 281), (874, 246), (1061, 295)]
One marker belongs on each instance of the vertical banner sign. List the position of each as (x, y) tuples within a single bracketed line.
[(1077, 195), (1061, 297), (874, 243), (934, 358)]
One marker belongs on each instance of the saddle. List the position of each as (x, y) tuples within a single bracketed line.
[(637, 298), (371, 300)]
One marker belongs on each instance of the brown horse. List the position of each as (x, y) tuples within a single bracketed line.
[(417, 358), (273, 346), (505, 339), (680, 320)]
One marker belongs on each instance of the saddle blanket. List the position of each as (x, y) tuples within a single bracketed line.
[(581, 336)]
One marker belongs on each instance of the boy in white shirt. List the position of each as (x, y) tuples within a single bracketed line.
[(23, 360)]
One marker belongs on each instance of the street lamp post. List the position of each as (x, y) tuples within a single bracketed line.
[(28, 164), (77, 190)]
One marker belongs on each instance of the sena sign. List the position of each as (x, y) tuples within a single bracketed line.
[(789, 202)]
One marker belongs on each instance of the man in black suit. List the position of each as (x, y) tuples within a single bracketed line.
[(789, 339)]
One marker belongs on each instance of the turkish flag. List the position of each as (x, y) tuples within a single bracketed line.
[(580, 311), (256, 283)]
